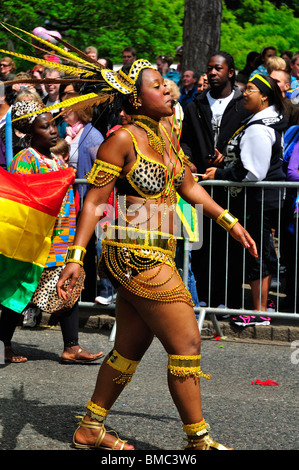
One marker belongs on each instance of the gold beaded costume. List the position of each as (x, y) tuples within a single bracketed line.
[(130, 249), (134, 254)]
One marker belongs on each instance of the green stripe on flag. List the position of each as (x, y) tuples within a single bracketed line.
[(18, 281)]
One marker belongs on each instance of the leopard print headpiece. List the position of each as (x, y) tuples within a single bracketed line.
[(21, 117), (121, 81)]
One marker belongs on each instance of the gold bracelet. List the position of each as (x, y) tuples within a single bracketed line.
[(75, 254), (226, 220)]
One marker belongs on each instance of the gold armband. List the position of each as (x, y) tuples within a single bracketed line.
[(75, 254), (102, 173), (226, 220)]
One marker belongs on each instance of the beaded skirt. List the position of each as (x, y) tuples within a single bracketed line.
[(129, 257)]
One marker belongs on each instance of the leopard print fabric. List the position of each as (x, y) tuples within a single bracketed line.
[(45, 296), (147, 177)]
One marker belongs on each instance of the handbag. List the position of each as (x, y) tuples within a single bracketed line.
[(45, 296)]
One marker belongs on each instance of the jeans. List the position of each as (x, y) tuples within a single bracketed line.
[(179, 260)]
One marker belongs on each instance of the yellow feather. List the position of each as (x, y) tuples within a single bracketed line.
[(37, 81), (83, 105), (52, 46), (60, 67), (67, 103), (89, 101), (70, 47)]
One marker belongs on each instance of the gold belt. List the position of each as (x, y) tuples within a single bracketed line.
[(146, 239)]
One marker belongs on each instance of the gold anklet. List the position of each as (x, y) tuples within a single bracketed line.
[(96, 411), (196, 429)]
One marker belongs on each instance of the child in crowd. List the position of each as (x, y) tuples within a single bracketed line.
[(61, 149)]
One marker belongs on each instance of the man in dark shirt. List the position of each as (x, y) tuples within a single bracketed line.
[(214, 115), (189, 88), (209, 122)]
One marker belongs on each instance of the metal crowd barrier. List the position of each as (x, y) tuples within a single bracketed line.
[(277, 294)]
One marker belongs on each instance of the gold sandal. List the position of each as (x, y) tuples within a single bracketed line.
[(97, 445), (205, 442)]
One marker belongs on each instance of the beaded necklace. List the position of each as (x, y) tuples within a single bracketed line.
[(170, 176), (151, 127), (157, 143), (169, 180)]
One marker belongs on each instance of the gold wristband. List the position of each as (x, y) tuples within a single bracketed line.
[(226, 220), (75, 254)]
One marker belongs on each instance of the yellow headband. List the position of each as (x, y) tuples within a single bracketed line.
[(260, 82)]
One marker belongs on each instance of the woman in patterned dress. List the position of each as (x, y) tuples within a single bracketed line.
[(38, 158)]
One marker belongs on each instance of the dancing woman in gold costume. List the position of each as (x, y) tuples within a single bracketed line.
[(147, 166)]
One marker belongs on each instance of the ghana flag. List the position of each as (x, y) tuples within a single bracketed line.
[(29, 205)]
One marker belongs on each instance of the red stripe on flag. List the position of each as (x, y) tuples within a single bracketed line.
[(42, 191)]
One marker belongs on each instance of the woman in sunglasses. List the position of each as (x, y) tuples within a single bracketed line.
[(7, 69)]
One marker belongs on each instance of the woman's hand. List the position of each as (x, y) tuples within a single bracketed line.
[(72, 272), (209, 174), (239, 233)]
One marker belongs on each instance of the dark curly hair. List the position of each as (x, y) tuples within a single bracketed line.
[(229, 62)]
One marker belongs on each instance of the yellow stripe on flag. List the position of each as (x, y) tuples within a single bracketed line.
[(25, 233)]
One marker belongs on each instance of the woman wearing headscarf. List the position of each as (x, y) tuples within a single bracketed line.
[(84, 141), (38, 158), (254, 153)]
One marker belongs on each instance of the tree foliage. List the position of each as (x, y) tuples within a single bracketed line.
[(153, 27), (255, 24)]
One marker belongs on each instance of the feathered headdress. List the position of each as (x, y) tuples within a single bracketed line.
[(99, 84)]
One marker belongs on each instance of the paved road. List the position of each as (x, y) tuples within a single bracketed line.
[(39, 400)]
